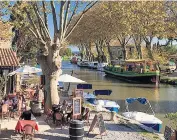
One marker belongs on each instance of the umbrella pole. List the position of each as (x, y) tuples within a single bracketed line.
[(70, 83)]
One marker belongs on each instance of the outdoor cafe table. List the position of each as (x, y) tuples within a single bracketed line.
[(22, 123)]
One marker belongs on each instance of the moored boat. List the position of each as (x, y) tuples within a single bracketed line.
[(107, 104), (83, 63), (143, 118), (101, 66), (135, 70), (93, 65), (74, 59)]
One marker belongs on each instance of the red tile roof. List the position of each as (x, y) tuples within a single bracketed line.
[(8, 58)]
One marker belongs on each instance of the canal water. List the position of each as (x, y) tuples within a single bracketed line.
[(163, 99)]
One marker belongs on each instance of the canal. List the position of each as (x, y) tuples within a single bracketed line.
[(162, 99)]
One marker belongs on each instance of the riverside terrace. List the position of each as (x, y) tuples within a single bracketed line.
[(118, 128)]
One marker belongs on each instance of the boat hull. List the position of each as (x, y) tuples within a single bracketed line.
[(139, 77), (156, 127), (145, 119)]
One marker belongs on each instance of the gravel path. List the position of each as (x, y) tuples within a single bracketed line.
[(114, 132)]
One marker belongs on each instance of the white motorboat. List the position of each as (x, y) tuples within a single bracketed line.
[(83, 63), (100, 66), (144, 118), (107, 104), (93, 65), (110, 105)]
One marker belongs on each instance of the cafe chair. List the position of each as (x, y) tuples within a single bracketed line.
[(85, 117), (49, 115), (5, 112), (28, 132), (59, 119)]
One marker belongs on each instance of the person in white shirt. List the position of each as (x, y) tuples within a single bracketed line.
[(40, 96)]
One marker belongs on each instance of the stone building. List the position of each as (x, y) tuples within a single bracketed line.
[(117, 50)]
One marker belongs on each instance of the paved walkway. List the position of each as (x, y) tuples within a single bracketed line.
[(46, 132)]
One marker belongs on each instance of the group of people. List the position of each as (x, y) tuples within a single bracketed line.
[(15, 103)]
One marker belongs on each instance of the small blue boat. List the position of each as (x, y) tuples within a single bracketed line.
[(109, 105), (144, 118)]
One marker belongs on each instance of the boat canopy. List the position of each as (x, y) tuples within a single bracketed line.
[(141, 100), (102, 92), (84, 86)]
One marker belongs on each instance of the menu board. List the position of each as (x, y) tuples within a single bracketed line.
[(101, 124), (79, 92), (98, 119), (76, 106), (93, 124)]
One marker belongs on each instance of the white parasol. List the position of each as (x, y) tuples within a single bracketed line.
[(69, 79), (25, 70)]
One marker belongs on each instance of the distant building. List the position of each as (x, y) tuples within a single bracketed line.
[(117, 50)]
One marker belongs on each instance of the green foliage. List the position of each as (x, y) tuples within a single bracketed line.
[(173, 119), (66, 52), (2, 85)]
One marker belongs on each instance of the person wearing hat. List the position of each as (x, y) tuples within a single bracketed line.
[(26, 115)]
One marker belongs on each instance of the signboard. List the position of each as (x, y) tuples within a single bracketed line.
[(76, 106), (79, 92), (98, 120), (84, 86), (168, 133), (101, 124), (93, 124)]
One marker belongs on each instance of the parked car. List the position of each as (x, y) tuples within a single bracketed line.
[(168, 67)]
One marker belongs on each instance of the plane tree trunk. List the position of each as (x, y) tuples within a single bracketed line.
[(51, 68)]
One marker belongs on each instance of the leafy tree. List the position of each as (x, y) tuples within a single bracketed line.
[(34, 18), (66, 52)]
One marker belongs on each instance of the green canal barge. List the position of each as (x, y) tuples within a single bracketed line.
[(135, 70)]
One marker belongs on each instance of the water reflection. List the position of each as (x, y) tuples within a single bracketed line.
[(163, 99)]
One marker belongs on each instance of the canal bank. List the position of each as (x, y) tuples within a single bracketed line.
[(162, 99)]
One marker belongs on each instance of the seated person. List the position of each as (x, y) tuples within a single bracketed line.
[(26, 115), (6, 100), (14, 108)]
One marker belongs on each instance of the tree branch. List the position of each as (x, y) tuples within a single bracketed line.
[(73, 13), (127, 40), (54, 20), (89, 6), (34, 26), (66, 15), (33, 32), (46, 30), (45, 15), (62, 3), (39, 22)]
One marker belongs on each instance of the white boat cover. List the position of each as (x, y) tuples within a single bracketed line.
[(142, 117), (108, 103), (88, 96)]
